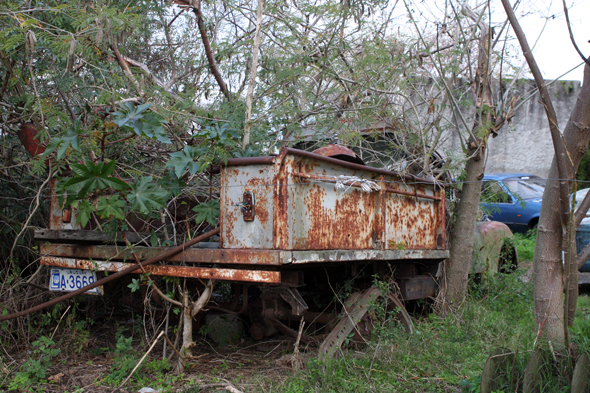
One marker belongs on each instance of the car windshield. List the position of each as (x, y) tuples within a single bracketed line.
[(526, 187)]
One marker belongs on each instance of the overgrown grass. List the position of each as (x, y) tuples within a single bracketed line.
[(525, 244), (444, 354)]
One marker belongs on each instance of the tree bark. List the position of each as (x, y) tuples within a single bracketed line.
[(253, 71), (458, 265), (577, 137), (548, 268)]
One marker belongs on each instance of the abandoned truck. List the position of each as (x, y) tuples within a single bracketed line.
[(294, 229)]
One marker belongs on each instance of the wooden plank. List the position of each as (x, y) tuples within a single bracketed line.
[(191, 255), (90, 236)]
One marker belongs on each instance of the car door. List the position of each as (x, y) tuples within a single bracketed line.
[(497, 204)]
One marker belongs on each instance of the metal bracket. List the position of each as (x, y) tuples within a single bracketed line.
[(291, 296), (248, 205)]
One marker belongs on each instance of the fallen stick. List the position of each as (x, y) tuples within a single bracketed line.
[(142, 359)]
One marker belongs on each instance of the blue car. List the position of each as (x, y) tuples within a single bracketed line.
[(513, 198)]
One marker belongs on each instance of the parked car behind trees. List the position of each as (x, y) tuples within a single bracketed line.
[(513, 198)]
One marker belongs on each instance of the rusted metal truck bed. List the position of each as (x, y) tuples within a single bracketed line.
[(280, 214)]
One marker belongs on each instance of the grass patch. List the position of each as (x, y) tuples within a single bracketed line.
[(444, 354), (525, 244)]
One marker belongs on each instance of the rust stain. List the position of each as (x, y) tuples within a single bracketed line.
[(340, 153), (349, 225), (273, 277), (280, 206), (308, 213), (258, 187)]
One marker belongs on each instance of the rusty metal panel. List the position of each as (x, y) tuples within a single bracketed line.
[(58, 218), (271, 277), (322, 217), (311, 202), (191, 255), (365, 255), (236, 231), (411, 221)]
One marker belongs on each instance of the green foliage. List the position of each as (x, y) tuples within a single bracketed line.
[(184, 160), (135, 284), (146, 196), (85, 210), (91, 177), (34, 370), (207, 212), (111, 207), (71, 138), (444, 354), (221, 141), (525, 244), (150, 373), (125, 360), (580, 331), (139, 121)]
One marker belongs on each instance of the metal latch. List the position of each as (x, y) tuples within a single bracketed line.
[(248, 205)]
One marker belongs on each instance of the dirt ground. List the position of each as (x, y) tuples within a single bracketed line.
[(234, 367)]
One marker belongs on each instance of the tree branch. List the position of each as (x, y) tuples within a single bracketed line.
[(583, 256), (560, 149), (253, 70), (167, 298), (569, 28), (154, 78), (582, 210), (195, 6), (126, 70)]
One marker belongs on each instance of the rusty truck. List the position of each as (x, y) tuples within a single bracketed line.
[(294, 227)]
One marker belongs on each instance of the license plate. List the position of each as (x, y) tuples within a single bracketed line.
[(68, 280)]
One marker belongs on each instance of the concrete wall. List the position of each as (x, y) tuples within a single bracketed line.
[(525, 145)]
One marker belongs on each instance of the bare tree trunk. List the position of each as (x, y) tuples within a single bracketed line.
[(547, 264), (550, 315), (253, 71), (459, 263), (577, 137)]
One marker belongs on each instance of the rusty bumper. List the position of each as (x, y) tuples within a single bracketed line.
[(243, 275)]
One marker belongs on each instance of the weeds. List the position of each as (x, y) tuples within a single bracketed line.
[(580, 331), (525, 244), (34, 370), (444, 354)]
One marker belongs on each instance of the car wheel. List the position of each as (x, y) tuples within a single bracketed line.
[(533, 224)]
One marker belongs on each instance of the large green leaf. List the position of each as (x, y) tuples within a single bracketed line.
[(173, 185), (90, 177), (184, 160), (146, 195), (141, 122), (111, 207), (85, 210), (207, 211), (71, 138)]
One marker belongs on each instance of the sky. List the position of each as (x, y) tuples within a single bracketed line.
[(543, 22), (554, 51)]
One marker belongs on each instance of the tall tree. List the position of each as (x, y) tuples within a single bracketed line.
[(554, 226)]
